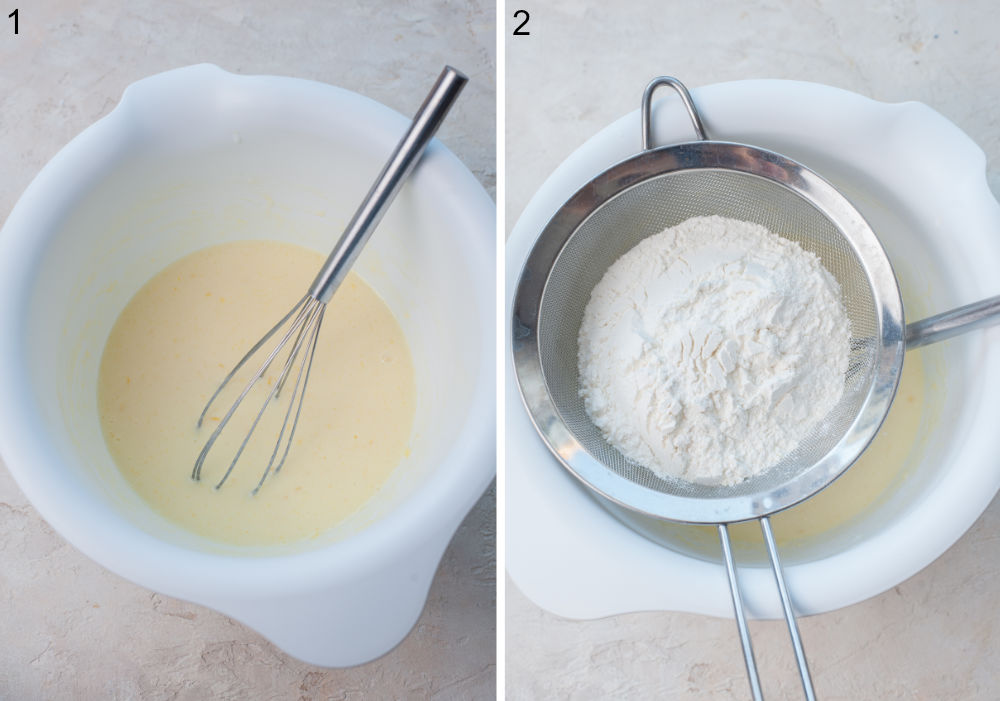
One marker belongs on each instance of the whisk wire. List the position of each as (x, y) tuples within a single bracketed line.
[(307, 315), (284, 377), (307, 360), (249, 354), (303, 308)]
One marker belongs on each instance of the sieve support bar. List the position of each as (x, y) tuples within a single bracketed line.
[(953, 323), (786, 604), (741, 621)]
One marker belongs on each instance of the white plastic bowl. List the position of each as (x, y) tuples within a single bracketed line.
[(198, 156), (921, 183)]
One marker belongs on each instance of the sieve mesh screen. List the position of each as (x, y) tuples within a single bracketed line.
[(650, 207)]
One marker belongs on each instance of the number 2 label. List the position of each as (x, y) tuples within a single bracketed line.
[(518, 30)]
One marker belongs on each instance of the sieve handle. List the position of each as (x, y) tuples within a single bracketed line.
[(647, 109), (741, 621), (953, 323), (786, 604)]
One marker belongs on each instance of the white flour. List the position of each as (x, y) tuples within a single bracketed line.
[(708, 351)]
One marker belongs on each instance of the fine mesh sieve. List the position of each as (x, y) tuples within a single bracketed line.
[(643, 195), (661, 187), (663, 201)]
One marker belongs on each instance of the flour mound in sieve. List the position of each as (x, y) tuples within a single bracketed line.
[(710, 350)]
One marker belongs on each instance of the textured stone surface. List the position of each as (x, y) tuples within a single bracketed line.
[(936, 636), (68, 628)]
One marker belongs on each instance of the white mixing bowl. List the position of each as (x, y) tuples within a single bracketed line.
[(921, 184), (195, 157)]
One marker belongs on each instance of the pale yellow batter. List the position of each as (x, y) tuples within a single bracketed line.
[(176, 340)]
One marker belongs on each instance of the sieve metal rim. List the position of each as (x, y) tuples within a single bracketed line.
[(618, 179)]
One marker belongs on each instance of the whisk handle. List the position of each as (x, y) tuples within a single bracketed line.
[(403, 159)]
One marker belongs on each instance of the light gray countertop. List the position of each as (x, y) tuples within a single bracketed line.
[(68, 628), (935, 636)]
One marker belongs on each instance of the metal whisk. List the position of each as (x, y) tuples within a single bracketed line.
[(307, 316)]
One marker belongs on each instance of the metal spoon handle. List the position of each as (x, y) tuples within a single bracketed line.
[(403, 159), (953, 323)]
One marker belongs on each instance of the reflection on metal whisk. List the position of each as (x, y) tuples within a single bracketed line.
[(307, 316)]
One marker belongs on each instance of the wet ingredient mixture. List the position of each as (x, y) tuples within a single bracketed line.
[(178, 337)]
